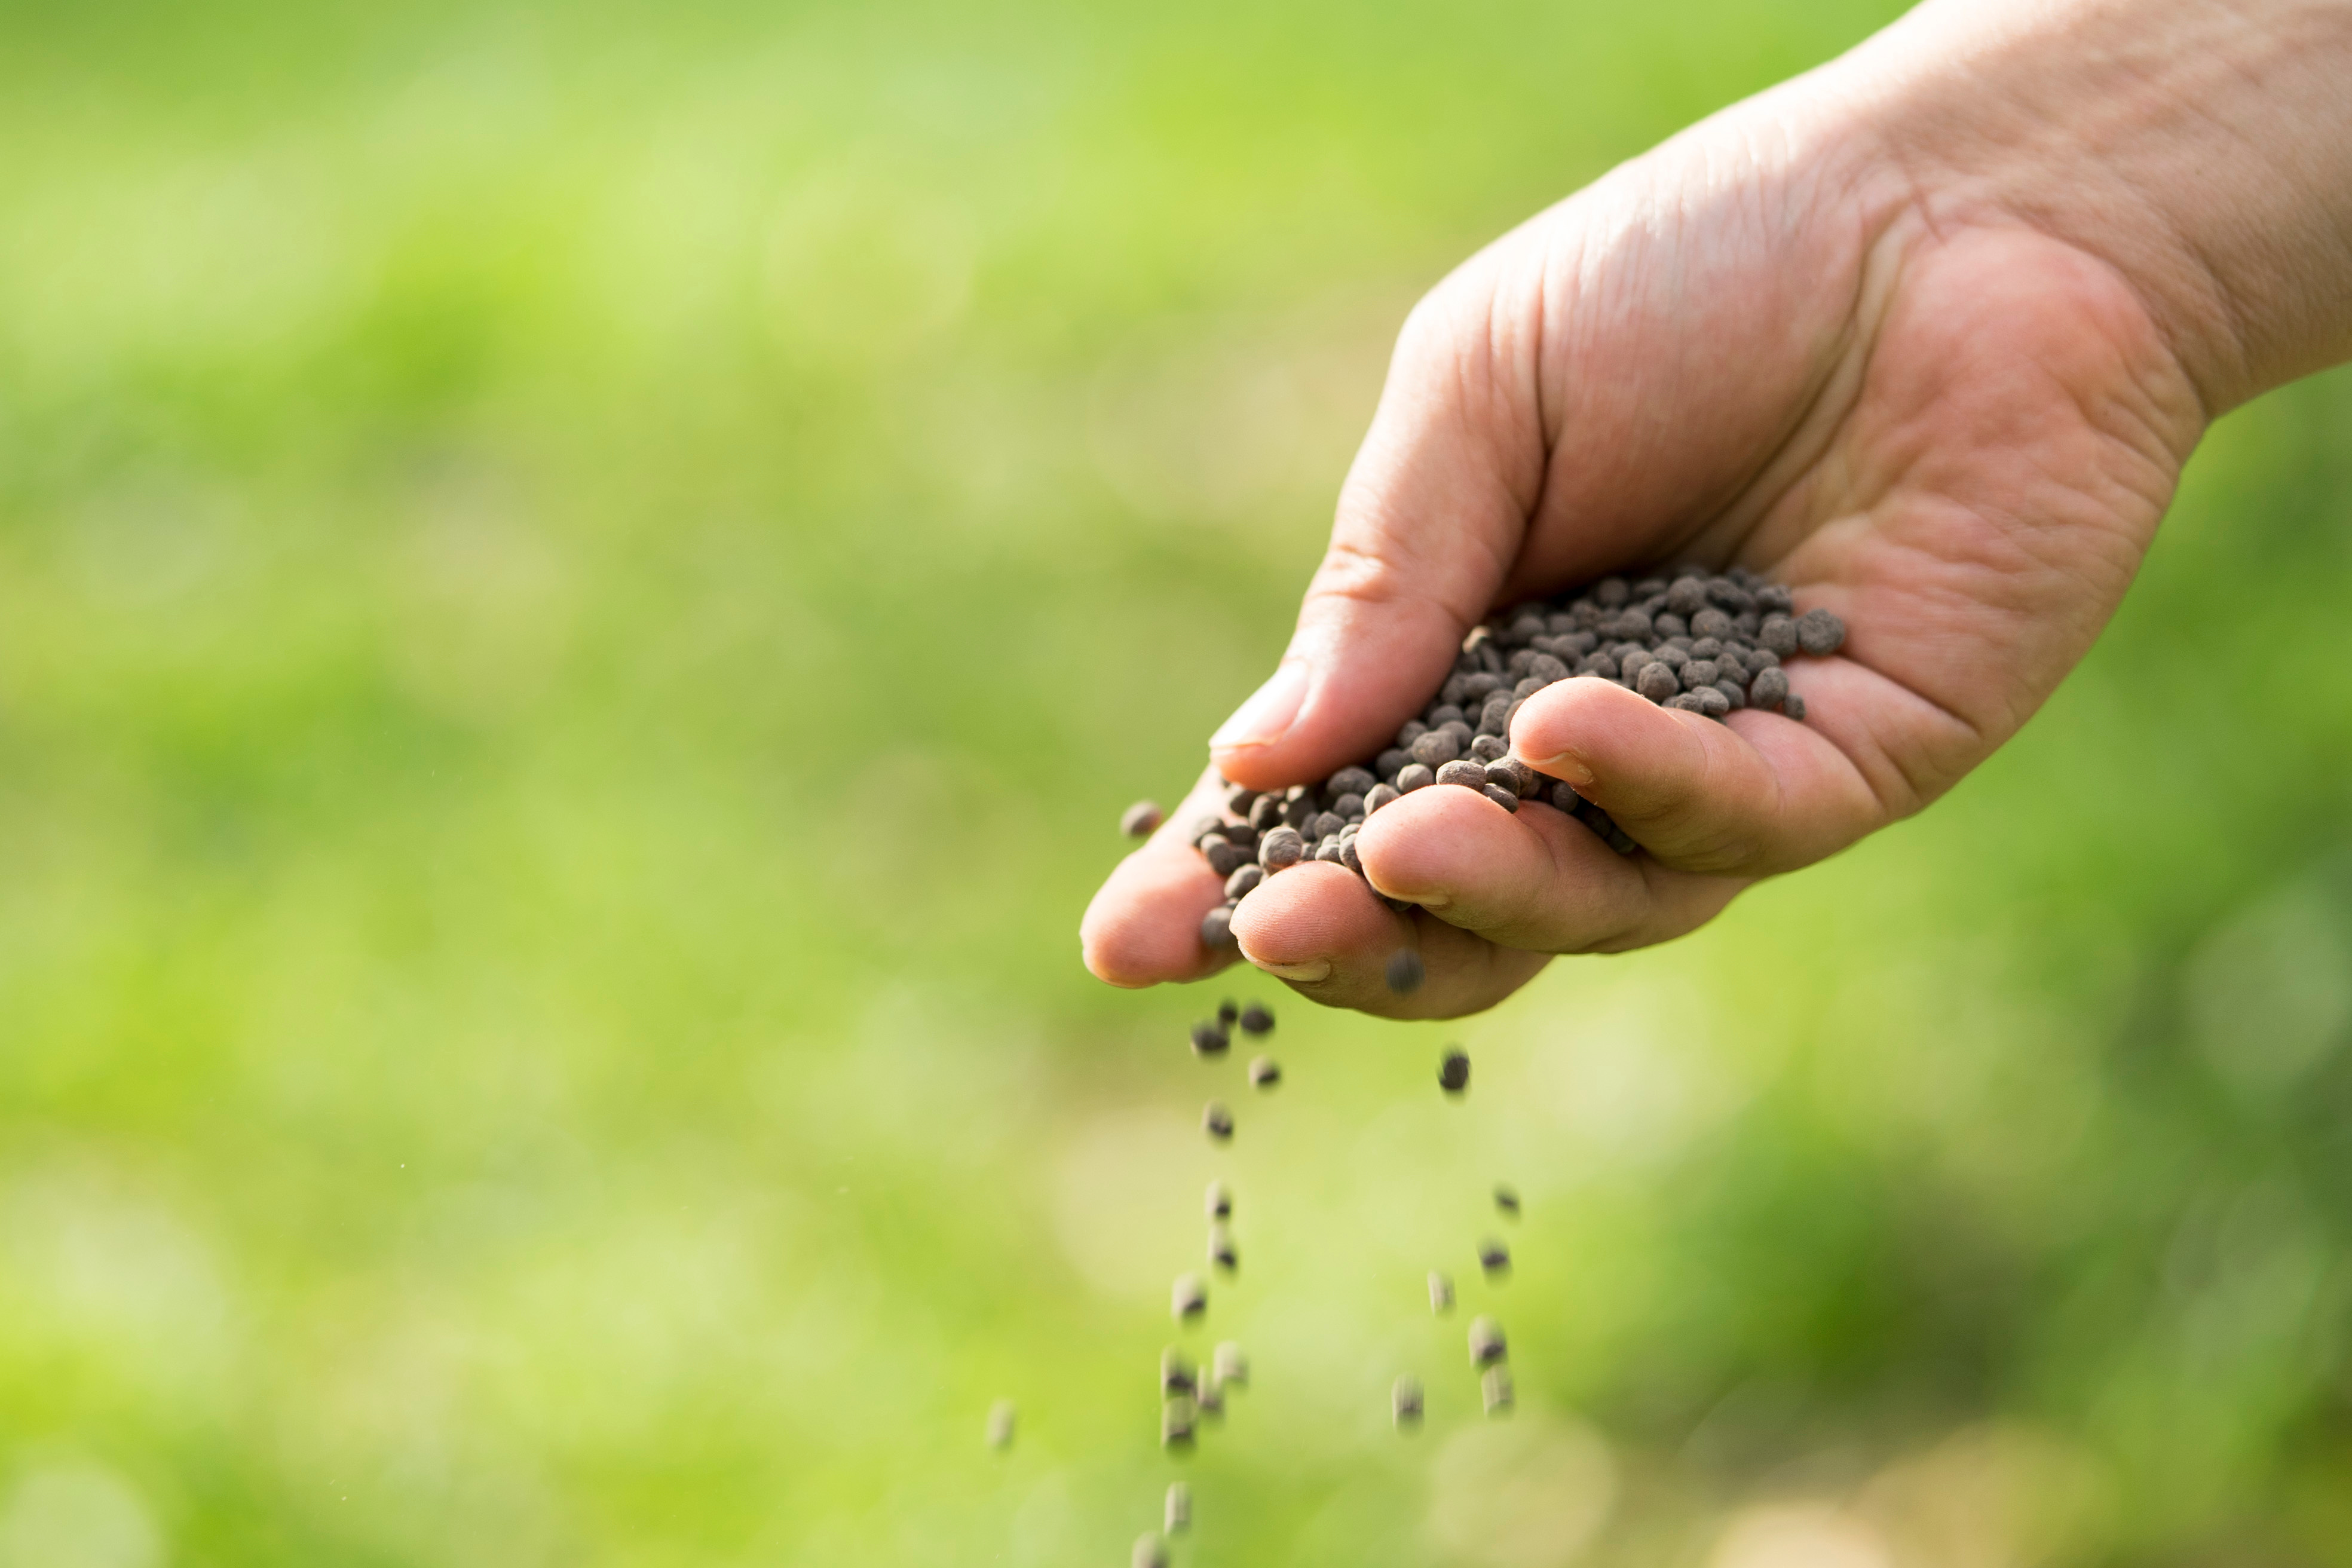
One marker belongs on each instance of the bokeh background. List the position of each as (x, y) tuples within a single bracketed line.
[(580, 593)]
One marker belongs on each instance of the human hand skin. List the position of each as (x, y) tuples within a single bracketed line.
[(1925, 335)]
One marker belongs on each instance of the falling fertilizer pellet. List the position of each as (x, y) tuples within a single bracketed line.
[(1230, 1365), (1441, 1293), (1219, 1201), (1188, 1298), (1405, 972), (1000, 1424), (1177, 1418), (1453, 1070), (1264, 1072), (1493, 1257), (1404, 1404), (1177, 1518), (1140, 820), (1496, 1389), (1175, 1372), (1209, 1038), (1220, 1248), (1150, 1552), (1506, 1198), (1486, 1343), (1256, 1020), (1216, 1120)]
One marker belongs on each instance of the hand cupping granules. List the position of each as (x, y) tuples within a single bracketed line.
[(1703, 644)]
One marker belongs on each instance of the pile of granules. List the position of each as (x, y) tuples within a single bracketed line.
[(1703, 644)]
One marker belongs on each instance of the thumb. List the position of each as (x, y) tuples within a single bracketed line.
[(1430, 521)]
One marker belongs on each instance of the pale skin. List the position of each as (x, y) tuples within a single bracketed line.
[(1925, 335)]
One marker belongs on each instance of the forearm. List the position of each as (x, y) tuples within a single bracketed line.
[(2203, 150)]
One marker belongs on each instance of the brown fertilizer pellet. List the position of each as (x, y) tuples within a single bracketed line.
[(1506, 1198), (1495, 1388), (1440, 1292), (1176, 1375), (1219, 1201), (1453, 1070), (1140, 820), (1256, 1020), (1150, 1552), (1702, 642), (1230, 1365), (1493, 1257), (1487, 1343), (1177, 1517), (1404, 1404), (1188, 1298), (1264, 1072), (1216, 1120), (1000, 1424), (1209, 1038), (1222, 1252)]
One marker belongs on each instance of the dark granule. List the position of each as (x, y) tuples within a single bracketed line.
[(1175, 1372), (1280, 849), (1405, 972), (1150, 1552), (1493, 1257), (1820, 633), (1177, 1417), (1217, 929), (1188, 1298), (1495, 1389), (1453, 1070), (1488, 1345), (1255, 1019), (1440, 1292), (1177, 1517), (1463, 772), (1264, 1072), (1209, 1038), (1229, 1367), (1140, 820), (1404, 1404), (1218, 1201), (1216, 1120), (1228, 1013), (1222, 1252), (1238, 885), (1506, 1198)]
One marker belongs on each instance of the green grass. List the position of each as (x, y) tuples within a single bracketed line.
[(579, 594)]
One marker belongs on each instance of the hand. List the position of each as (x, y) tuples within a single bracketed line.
[(1844, 334)]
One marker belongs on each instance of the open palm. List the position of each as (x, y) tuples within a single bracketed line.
[(1762, 343)]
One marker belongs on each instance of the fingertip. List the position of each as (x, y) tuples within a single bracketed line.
[(1143, 926), (1307, 916)]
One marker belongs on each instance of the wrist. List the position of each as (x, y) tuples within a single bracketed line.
[(2203, 152)]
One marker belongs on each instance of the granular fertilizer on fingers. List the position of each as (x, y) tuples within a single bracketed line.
[(1700, 643)]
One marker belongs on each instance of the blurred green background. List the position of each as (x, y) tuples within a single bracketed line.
[(580, 593)]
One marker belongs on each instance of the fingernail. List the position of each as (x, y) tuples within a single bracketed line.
[(1268, 716), (1567, 766), (1305, 974)]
